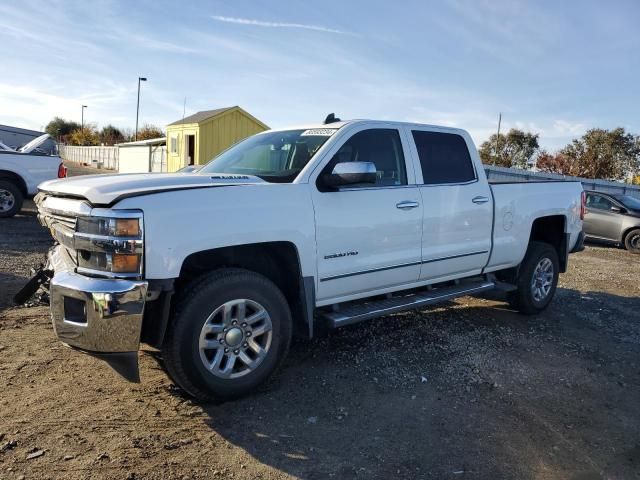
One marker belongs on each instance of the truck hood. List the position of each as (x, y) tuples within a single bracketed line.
[(108, 189)]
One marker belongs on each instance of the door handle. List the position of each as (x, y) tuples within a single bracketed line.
[(480, 200), (407, 205)]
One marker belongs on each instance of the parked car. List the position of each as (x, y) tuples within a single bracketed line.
[(188, 169), (613, 218), (22, 170), (293, 231)]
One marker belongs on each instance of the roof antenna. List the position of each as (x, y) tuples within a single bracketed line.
[(331, 118)]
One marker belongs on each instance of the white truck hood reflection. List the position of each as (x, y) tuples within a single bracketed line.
[(107, 189)]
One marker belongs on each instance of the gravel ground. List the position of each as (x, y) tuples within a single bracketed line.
[(466, 390)]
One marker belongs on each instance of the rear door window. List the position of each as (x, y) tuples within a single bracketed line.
[(444, 158)]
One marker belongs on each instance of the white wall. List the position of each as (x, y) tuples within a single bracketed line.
[(134, 159)]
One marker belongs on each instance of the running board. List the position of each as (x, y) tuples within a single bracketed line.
[(358, 312)]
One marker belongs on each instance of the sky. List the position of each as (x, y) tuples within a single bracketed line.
[(553, 68)]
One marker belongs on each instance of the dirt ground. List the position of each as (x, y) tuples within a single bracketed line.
[(466, 390)]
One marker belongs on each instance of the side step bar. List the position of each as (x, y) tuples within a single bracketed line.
[(357, 312)]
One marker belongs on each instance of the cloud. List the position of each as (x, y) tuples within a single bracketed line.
[(260, 23), (564, 128), (154, 44)]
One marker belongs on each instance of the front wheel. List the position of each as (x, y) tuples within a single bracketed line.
[(230, 332), (537, 279), (632, 241)]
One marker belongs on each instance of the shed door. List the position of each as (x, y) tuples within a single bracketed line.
[(190, 151)]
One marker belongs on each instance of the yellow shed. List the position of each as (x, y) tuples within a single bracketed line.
[(198, 138)]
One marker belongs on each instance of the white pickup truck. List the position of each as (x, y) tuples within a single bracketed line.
[(293, 231), (22, 170)]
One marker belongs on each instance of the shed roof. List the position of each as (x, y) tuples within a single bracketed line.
[(206, 115), (150, 141), (201, 116)]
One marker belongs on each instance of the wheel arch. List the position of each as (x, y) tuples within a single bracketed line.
[(279, 261), (16, 179), (551, 229)]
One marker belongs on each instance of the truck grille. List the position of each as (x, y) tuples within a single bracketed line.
[(69, 221), (60, 216)]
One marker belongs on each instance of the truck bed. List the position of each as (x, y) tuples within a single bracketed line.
[(518, 204)]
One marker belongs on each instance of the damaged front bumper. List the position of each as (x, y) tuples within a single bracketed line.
[(99, 316)]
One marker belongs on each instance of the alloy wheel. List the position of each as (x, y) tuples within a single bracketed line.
[(235, 338), (7, 200), (542, 279)]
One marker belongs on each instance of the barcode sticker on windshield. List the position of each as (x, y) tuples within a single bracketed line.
[(323, 132)]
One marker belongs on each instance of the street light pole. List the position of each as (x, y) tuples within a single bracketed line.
[(82, 123), (140, 79)]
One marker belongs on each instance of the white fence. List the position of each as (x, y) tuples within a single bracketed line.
[(102, 157), (159, 159), (108, 157), (517, 174)]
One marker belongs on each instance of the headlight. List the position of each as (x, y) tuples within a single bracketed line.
[(110, 245), (111, 227)]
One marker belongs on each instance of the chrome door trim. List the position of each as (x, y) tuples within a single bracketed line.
[(412, 264), (451, 257)]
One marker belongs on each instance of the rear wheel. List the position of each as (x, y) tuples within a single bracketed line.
[(632, 241), (11, 199), (537, 279), (230, 332)]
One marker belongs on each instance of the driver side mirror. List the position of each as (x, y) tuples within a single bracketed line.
[(351, 173), (616, 209)]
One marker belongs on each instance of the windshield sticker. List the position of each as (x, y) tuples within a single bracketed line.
[(323, 132)]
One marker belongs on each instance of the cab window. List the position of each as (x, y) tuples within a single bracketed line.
[(444, 158), (380, 146)]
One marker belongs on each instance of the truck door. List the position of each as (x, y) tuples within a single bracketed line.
[(458, 206), (368, 236)]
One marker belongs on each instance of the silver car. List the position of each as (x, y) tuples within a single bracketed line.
[(613, 218)]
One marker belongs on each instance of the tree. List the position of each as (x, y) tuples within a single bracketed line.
[(515, 149), (128, 134), (553, 163), (88, 136), (111, 135), (60, 129), (148, 132), (607, 154)]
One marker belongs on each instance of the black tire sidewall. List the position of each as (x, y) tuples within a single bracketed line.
[(536, 252), (17, 195), (195, 309), (627, 241)]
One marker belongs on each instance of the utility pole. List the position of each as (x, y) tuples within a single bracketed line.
[(140, 79), (497, 137), (82, 123)]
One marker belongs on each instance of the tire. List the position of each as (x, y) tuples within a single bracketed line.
[(632, 241), (11, 199), (202, 372), (541, 261)]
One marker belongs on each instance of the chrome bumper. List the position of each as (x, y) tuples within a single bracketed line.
[(94, 314)]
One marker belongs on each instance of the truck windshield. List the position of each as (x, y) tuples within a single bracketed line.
[(273, 156), (629, 202)]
